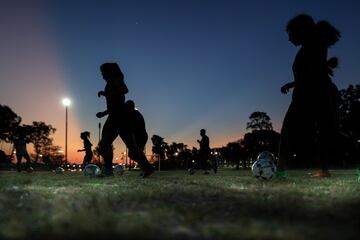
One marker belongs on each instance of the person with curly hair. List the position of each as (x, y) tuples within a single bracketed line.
[(118, 122), (312, 115)]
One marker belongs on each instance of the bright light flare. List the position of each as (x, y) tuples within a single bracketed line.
[(66, 102)]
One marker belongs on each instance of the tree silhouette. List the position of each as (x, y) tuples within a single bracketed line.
[(172, 150), (348, 144), (184, 155), (234, 153), (178, 155), (9, 121), (51, 155), (260, 140), (39, 135), (159, 146), (350, 111), (259, 121)]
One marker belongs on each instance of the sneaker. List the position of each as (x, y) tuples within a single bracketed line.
[(322, 173), (281, 174)]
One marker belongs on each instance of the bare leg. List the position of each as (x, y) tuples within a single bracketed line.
[(27, 157), (109, 134), (18, 164), (135, 152), (286, 146)]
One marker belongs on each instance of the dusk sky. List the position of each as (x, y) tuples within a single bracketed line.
[(188, 64)]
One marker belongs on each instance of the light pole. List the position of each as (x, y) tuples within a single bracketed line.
[(66, 102), (99, 141)]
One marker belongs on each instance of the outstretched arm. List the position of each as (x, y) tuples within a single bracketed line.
[(102, 114)]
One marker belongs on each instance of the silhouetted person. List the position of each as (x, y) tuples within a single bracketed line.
[(20, 142), (204, 151), (137, 124), (312, 114), (87, 148), (117, 122)]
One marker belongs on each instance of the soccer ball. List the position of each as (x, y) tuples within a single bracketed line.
[(263, 169), (30, 169), (266, 155), (191, 171), (59, 170), (118, 170), (92, 170)]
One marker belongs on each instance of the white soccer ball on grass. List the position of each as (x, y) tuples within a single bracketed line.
[(92, 170), (59, 170), (264, 167), (191, 171)]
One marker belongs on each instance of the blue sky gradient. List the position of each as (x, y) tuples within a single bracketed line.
[(188, 64)]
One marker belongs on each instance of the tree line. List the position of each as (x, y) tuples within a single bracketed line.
[(38, 133)]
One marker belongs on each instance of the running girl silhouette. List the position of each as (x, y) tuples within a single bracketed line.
[(118, 123), (312, 114), (87, 148)]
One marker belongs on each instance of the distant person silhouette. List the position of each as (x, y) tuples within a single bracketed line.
[(312, 115), (87, 148), (117, 122), (20, 141), (205, 152)]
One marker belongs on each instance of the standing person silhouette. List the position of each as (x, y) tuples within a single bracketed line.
[(117, 122), (20, 142), (87, 148), (312, 114), (204, 151), (137, 124)]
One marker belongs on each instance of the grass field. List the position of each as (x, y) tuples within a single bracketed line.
[(175, 205)]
